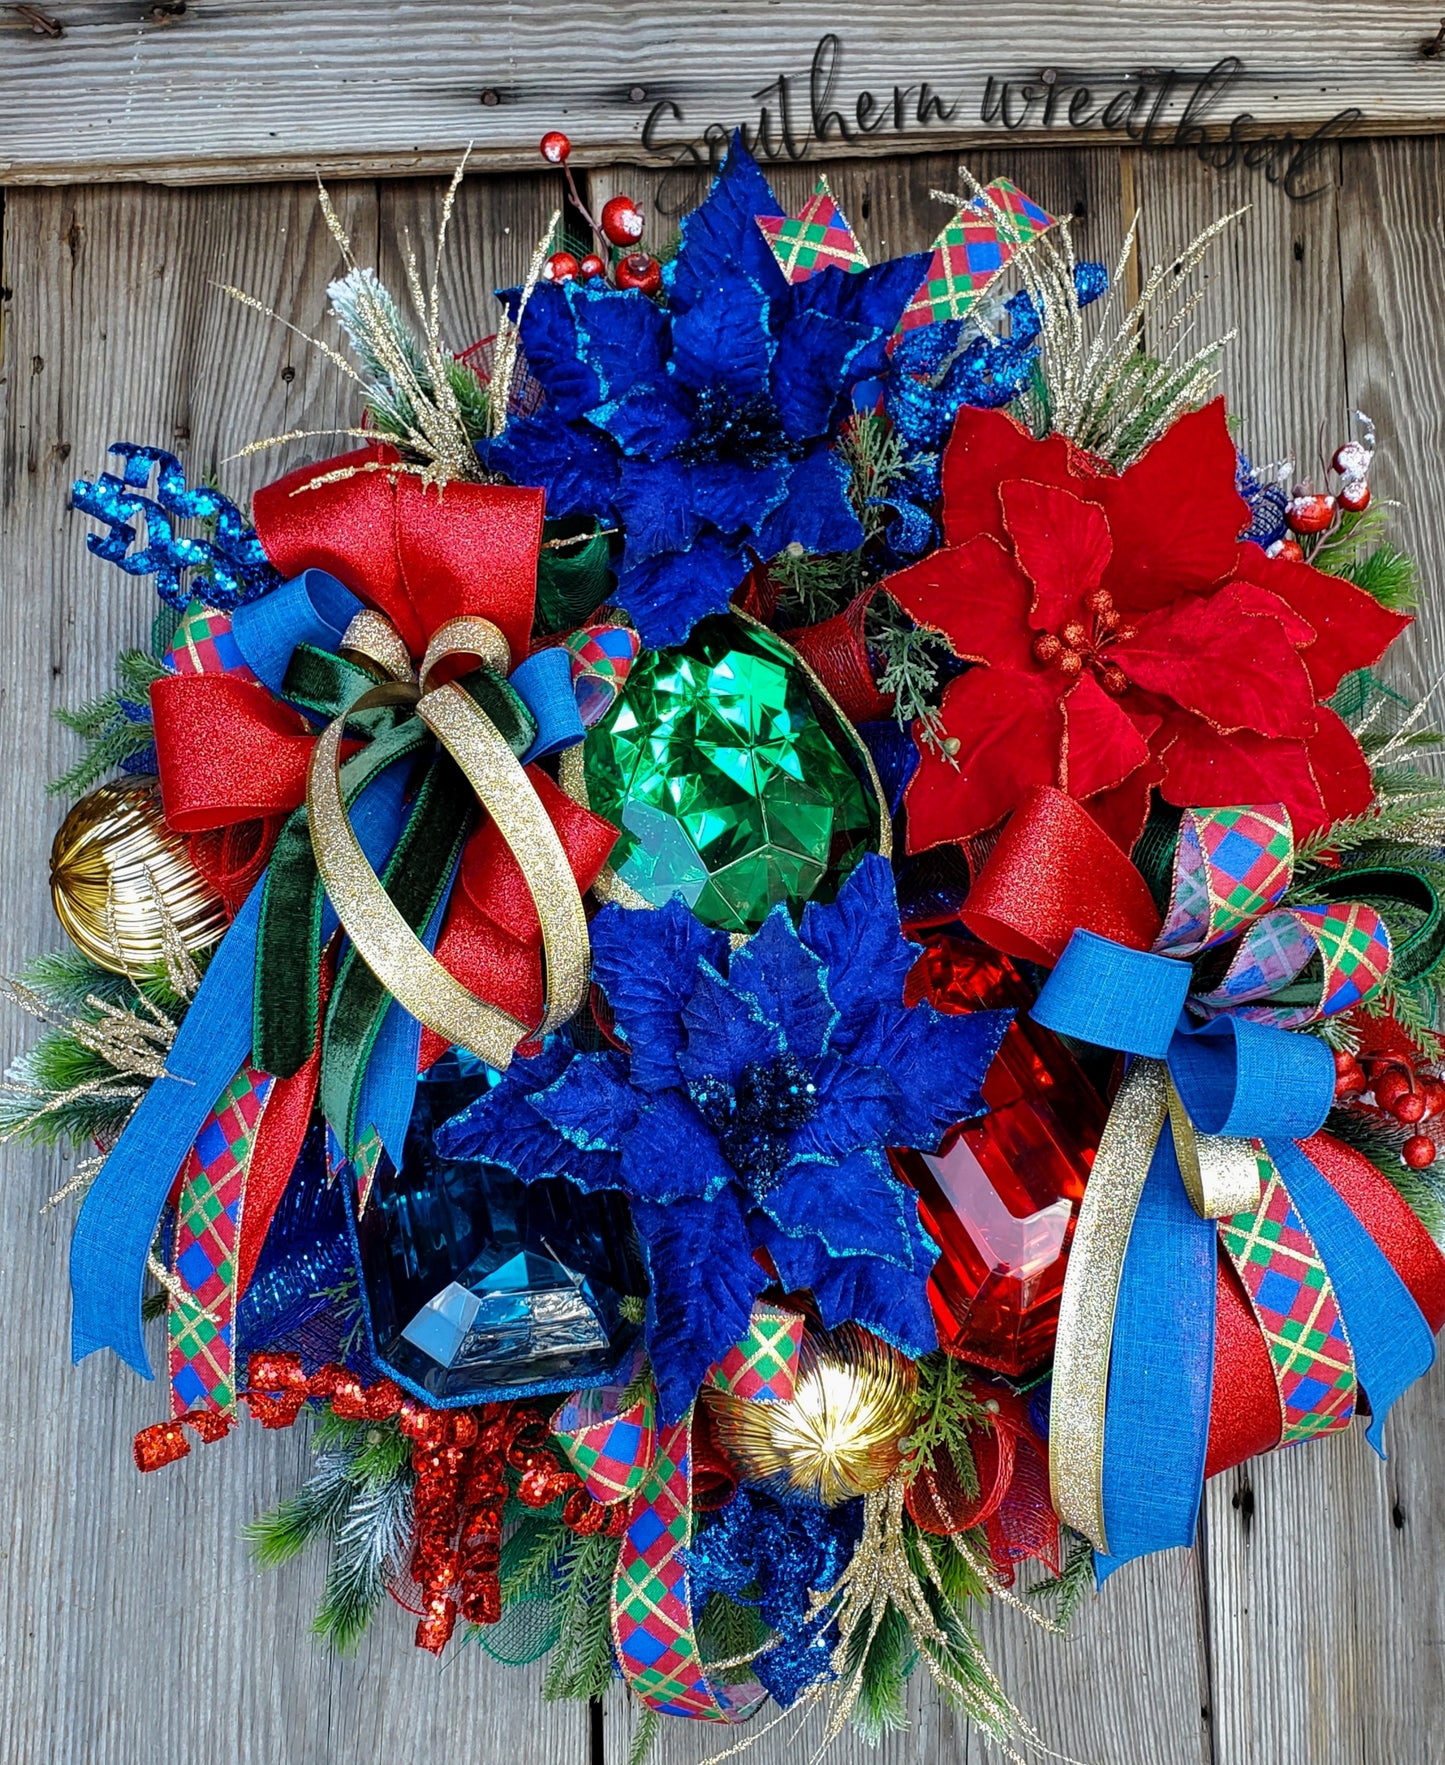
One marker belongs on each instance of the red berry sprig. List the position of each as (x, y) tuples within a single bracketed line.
[(1399, 1088), (619, 228)]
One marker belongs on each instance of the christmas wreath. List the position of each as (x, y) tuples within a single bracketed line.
[(778, 955)]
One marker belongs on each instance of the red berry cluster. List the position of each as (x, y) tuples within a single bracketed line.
[(1401, 1089), (617, 230), (1310, 514)]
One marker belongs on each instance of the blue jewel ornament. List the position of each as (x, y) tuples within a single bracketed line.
[(476, 1286)]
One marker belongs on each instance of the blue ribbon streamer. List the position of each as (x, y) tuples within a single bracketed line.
[(312, 608), (1246, 1080)]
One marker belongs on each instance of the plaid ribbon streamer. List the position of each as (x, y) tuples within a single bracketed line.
[(971, 251), (1231, 867), (817, 238), (200, 1321), (622, 1455), (1294, 1302)]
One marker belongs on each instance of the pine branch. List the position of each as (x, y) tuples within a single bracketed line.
[(646, 1734), (537, 1553), (309, 1517), (114, 726), (882, 1703), (727, 1630), (581, 1662), (1064, 1593)]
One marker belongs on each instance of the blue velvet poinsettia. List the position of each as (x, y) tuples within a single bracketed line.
[(752, 1112), (702, 424)]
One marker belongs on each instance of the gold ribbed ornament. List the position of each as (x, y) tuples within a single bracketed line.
[(855, 1400), (119, 877)]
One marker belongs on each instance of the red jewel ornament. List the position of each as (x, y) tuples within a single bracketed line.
[(554, 147), (622, 220), (1002, 1194), (591, 267), (638, 270), (1309, 513), (561, 267), (1419, 1152)]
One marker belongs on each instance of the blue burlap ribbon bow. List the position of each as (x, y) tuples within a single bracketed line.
[(1135, 1361)]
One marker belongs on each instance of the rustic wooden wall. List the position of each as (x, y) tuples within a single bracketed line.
[(1309, 1625)]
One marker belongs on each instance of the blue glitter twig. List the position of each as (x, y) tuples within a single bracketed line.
[(232, 562)]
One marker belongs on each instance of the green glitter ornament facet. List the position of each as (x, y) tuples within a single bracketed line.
[(728, 787)]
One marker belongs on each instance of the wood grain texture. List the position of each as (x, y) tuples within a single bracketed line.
[(238, 88), (134, 1628), (1308, 1628)]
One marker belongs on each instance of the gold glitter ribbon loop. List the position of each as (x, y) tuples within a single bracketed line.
[(1221, 1173), (383, 939)]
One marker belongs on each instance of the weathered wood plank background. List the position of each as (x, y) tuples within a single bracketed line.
[(1309, 1625), (197, 90)]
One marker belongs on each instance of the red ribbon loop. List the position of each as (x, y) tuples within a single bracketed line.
[(226, 751), (420, 554), (1054, 871)]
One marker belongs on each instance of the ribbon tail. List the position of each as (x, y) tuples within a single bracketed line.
[(117, 1223), (1392, 1343), (1161, 1375)]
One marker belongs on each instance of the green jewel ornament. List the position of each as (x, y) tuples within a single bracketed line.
[(736, 781)]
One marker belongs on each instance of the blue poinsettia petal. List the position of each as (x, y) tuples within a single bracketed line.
[(890, 1301), (591, 1105), (938, 1063), (703, 1281), (853, 1208), (722, 233), (866, 956), (650, 420), (786, 979), (622, 336), (552, 349), (857, 1106), (574, 465), (645, 963), (654, 501), (813, 371), (723, 339), (668, 594), (671, 1152), (873, 298), (725, 1031), (816, 512), (735, 498), (503, 1128)]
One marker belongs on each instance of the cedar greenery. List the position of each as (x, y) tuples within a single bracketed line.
[(1063, 1594)]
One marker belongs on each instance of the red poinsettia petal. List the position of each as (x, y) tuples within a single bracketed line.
[(1101, 745), (1353, 629), (1009, 728), (1175, 515), (1237, 668), (1340, 768), (1204, 769), (986, 448), (1253, 599), (1061, 543), (976, 596), (1123, 811)]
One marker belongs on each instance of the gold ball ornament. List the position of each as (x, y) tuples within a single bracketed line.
[(118, 875), (855, 1400)]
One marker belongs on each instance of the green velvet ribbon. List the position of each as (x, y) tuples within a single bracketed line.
[(573, 580), (1388, 888), (288, 954)]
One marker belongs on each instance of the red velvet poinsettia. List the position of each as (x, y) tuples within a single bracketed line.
[(1127, 639)]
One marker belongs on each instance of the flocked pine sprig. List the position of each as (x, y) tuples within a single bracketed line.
[(424, 401), (1095, 382), (359, 1501)]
